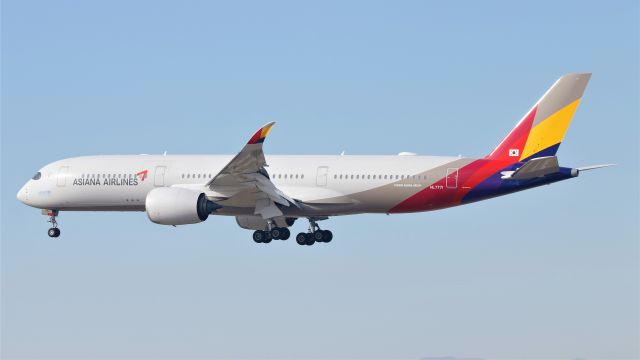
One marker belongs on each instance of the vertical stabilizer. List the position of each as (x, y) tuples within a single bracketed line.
[(542, 129)]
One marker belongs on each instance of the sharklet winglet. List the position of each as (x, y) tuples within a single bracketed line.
[(261, 134)]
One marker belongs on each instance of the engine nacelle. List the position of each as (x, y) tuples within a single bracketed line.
[(177, 206), (258, 223)]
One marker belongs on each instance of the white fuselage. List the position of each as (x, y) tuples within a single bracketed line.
[(356, 184)]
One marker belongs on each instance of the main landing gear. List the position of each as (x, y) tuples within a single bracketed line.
[(53, 232), (314, 235), (276, 233)]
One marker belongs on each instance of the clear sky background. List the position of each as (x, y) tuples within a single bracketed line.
[(550, 272)]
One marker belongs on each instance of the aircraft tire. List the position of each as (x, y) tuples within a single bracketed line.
[(301, 239), (285, 234), (258, 236), (309, 239), (327, 236)]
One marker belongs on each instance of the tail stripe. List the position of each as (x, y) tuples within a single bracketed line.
[(550, 131), (563, 92), (512, 146)]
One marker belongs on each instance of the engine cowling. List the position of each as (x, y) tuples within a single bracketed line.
[(177, 206), (258, 223)]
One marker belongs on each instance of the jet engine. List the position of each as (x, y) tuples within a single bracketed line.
[(258, 223), (177, 206)]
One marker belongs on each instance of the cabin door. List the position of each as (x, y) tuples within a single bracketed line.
[(452, 178), (158, 179), (62, 176), (321, 176)]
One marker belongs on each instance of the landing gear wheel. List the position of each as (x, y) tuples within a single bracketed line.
[(267, 237), (53, 231), (258, 236), (276, 233), (301, 239), (327, 236), (284, 233), (309, 239), (318, 236)]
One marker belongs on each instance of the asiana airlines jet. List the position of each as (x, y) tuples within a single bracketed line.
[(268, 194)]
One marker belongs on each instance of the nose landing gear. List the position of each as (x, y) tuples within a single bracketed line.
[(53, 232)]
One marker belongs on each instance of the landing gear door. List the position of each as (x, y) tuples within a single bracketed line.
[(321, 176), (158, 179), (62, 176), (452, 178)]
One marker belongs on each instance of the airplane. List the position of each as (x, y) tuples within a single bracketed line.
[(269, 196)]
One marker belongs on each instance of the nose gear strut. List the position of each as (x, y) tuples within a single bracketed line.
[(53, 232)]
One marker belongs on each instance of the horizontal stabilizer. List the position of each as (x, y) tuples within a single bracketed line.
[(591, 167), (534, 168)]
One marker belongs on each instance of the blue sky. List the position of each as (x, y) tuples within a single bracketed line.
[(550, 272)]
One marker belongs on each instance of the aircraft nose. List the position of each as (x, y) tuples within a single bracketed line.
[(23, 194)]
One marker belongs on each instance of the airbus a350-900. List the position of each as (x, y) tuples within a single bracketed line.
[(268, 194)]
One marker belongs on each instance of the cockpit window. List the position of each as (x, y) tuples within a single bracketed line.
[(37, 176)]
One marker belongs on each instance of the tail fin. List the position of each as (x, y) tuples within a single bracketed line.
[(541, 130)]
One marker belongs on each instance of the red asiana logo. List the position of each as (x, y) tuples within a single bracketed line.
[(143, 174)]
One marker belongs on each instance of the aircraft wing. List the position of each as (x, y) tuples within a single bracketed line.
[(244, 181)]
